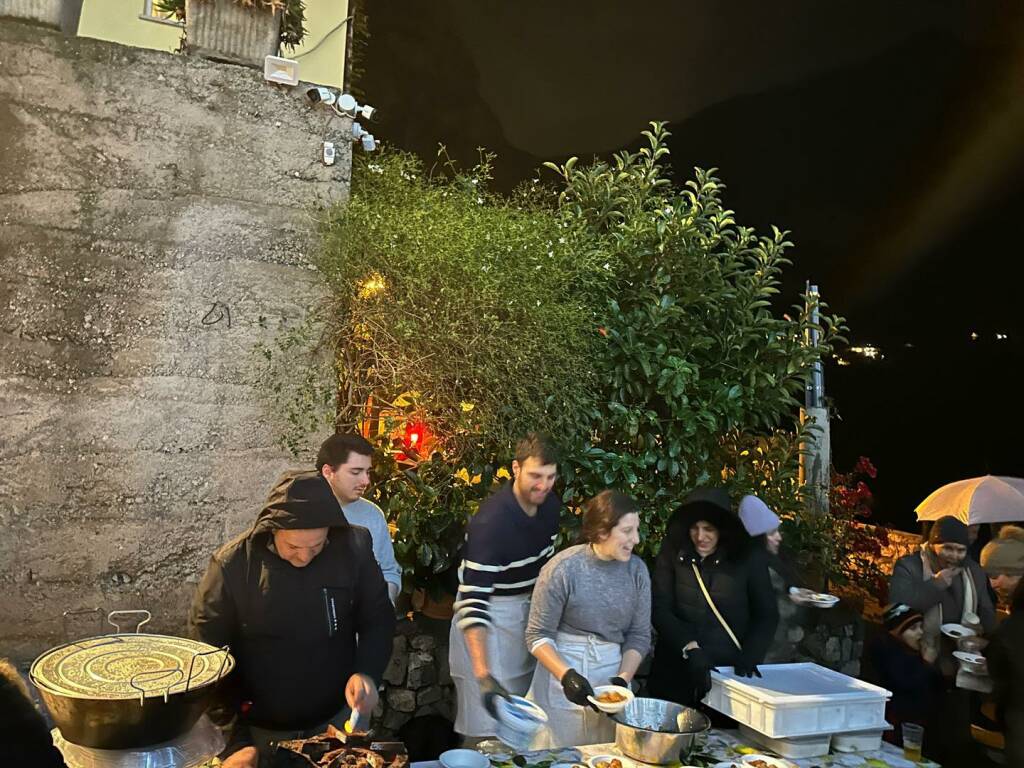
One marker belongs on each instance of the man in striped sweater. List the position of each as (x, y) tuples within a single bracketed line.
[(508, 541)]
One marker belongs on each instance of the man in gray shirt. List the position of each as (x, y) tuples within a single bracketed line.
[(345, 461)]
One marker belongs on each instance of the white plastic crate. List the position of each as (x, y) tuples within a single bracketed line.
[(795, 748), (798, 700)]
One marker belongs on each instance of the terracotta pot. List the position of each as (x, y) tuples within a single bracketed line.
[(441, 609), (226, 31)]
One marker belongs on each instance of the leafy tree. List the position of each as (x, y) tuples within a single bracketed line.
[(693, 359), (632, 319)]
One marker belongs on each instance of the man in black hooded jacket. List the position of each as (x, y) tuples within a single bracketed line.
[(303, 605)]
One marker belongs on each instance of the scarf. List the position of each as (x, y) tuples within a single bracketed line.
[(933, 618)]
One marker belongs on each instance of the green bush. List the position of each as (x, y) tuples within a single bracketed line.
[(694, 359), (631, 319)]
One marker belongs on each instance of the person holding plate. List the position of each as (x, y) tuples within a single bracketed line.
[(590, 622), (945, 585)]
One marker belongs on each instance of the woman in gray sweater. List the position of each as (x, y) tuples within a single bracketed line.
[(590, 622)]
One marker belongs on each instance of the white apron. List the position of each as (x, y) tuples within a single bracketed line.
[(570, 725), (510, 662)]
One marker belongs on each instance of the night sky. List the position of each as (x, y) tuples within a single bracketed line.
[(887, 137)]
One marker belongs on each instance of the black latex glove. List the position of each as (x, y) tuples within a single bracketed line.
[(699, 667), (620, 681), (746, 667), (490, 691), (576, 689)]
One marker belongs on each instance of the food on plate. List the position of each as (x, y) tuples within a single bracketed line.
[(611, 697), (613, 763)]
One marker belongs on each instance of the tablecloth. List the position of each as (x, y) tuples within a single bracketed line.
[(719, 745)]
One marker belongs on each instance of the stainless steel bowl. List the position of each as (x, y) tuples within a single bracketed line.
[(658, 732)]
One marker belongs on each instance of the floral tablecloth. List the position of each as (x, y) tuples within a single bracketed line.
[(719, 745)]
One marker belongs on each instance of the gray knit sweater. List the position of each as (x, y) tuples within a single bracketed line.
[(581, 594)]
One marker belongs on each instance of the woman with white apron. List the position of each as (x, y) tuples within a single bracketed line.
[(590, 622)]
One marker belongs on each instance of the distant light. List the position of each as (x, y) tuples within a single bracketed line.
[(974, 336), (869, 351), (842, 361), (1001, 337)]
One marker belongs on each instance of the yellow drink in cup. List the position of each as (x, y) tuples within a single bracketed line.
[(913, 735)]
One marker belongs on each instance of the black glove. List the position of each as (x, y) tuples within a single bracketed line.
[(621, 682), (746, 666), (576, 689), (699, 668), (490, 691)]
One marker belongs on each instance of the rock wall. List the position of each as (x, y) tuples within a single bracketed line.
[(418, 681), (157, 216)]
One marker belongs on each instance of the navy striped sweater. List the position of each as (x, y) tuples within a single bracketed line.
[(504, 552)]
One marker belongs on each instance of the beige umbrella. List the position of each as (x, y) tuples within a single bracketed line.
[(987, 499)]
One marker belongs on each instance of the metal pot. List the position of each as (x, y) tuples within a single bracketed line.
[(658, 732), (125, 691)]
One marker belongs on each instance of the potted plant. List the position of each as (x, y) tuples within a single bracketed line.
[(239, 31)]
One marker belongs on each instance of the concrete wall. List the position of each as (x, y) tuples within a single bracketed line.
[(145, 197)]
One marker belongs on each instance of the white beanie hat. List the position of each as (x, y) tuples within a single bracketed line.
[(756, 516)]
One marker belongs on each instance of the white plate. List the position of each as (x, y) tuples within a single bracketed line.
[(970, 658), (610, 707), (626, 762), (956, 631)]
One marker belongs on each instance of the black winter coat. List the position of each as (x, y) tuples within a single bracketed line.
[(737, 578), (293, 631), (1005, 654), (917, 687)]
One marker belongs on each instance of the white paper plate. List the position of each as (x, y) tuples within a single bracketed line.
[(956, 631), (626, 762), (610, 707), (970, 658)]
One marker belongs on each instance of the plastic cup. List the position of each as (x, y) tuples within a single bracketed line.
[(913, 736)]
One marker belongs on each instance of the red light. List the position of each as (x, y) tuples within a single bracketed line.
[(415, 432)]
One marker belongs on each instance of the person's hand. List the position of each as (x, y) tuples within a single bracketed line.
[(621, 682), (361, 694), (576, 689), (929, 652), (246, 757), (746, 667), (699, 668), (490, 691), (944, 578)]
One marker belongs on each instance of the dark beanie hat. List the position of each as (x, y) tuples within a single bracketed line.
[(899, 617), (949, 530)]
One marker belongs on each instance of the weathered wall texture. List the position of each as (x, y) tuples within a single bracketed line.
[(156, 216)]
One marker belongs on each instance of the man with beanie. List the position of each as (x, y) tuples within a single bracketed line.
[(302, 603), (1003, 561), (944, 585)]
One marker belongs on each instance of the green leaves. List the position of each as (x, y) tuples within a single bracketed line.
[(632, 320)]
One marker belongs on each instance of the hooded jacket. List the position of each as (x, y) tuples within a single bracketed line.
[(293, 630), (736, 576)]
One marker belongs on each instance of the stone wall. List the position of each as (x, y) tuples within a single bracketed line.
[(417, 681), (157, 216)]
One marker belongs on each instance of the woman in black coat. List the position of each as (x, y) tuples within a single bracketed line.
[(706, 538)]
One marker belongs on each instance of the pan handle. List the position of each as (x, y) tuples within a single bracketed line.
[(137, 612), (81, 612), (156, 674), (226, 650)]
